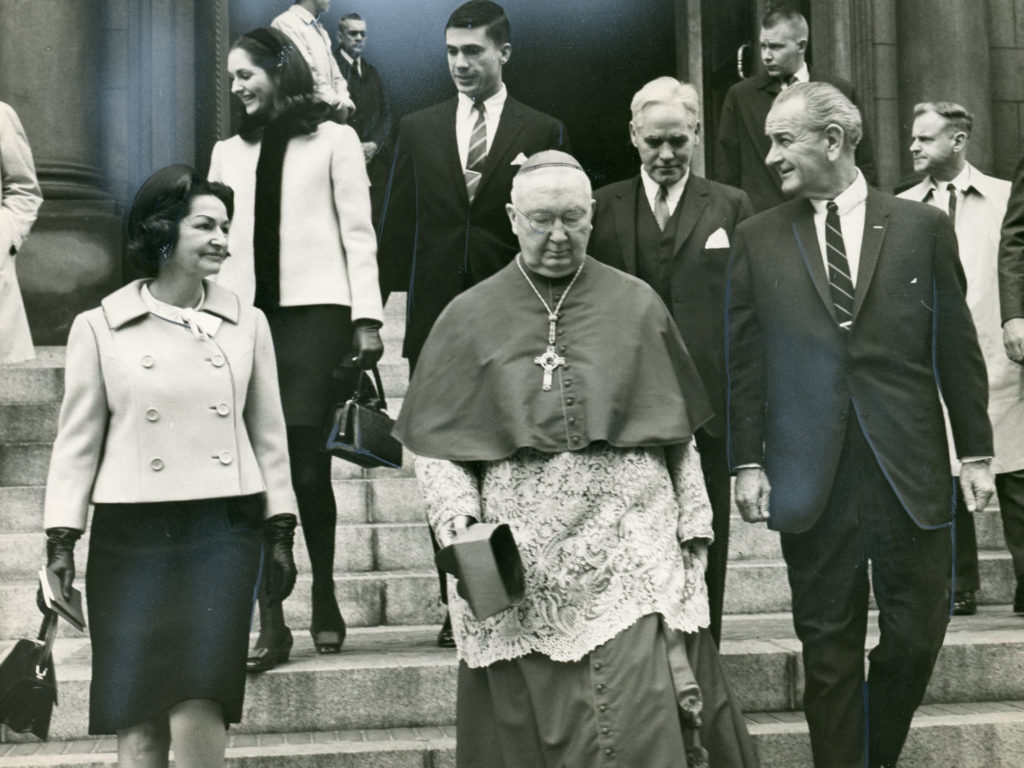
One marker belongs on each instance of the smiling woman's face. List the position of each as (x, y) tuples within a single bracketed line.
[(250, 83), (202, 243)]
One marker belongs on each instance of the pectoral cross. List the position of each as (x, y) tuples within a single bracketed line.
[(550, 360)]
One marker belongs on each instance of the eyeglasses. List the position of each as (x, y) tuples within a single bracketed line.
[(543, 222)]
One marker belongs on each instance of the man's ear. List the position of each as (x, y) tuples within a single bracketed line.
[(511, 211), (505, 53), (959, 141), (835, 140), (633, 138), (801, 44)]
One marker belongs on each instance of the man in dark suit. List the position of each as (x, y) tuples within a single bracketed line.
[(372, 118), (742, 144), (444, 226), (673, 230), (846, 316)]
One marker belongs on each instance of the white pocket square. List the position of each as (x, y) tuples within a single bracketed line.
[(519, 159), (718, 239)]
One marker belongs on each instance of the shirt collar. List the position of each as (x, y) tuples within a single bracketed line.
[(802, 75), (963, 182), (344, 53), (848, 199), (303, 14), (493, 105), (674, 191)]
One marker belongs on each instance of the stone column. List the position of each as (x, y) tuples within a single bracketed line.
[(50, 52), (943, 55)]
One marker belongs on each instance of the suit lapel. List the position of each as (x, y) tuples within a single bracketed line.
[(448, 146), (624, 213), (876, 217), (807, 241), (692, 205), (509, 127)]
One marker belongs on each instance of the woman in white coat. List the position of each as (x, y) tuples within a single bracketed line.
[(172, 427), (304, 251)]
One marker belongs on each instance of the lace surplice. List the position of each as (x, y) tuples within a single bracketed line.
[(599, 532)]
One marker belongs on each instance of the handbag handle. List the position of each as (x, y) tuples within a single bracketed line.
[(380, 388), (47, 634)]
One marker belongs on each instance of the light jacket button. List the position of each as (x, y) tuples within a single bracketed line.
[(152, 414), (156, 464), (223, 409), (217, 361), (147, 361), (224, 457)]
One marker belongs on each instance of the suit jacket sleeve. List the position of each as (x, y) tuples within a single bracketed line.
[(727, 150), (1011, 251), (81, 431), (20, 197), (381, 132), (398, 217), (744, 361), (959, 366), (352, 203), (264, 421)]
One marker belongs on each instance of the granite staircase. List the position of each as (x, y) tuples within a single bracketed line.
[(388, 700)]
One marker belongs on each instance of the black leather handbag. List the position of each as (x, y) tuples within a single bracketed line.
[(28, 685), (359, 429)]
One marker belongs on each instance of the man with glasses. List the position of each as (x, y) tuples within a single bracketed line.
[(673, 230)]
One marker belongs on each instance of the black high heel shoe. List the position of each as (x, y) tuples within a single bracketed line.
[(262, 658), (327, 640)]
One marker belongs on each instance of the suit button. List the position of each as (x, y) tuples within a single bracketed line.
[(575, 439), (561, 350), (609, 751), (561, 331), (152, 414), (606, 730), (572, 423), (224, 457), (600, 687), (223, 409), (156, 464), (147, 361), (568, 383), (217, 361), (602, 707), (570, 400), (598, 666)]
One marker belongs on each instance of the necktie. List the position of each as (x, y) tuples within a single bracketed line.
[(661, 207), (477, 153), (839, 279), (951, 208)]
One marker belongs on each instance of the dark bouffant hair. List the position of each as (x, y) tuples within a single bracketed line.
[(294, 94), (482, 13), (152, 239)]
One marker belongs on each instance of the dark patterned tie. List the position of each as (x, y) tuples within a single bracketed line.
[(661, 207), (839, 279), (477, 153), (951, 208)]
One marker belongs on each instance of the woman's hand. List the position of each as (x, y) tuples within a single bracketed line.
[(60, 560), (696, 551), (367, 348), (454, 528), (279, 532)]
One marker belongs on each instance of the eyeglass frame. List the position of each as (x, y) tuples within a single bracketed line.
[(542, 230)]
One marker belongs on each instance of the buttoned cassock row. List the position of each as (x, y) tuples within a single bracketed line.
[(127, 436)]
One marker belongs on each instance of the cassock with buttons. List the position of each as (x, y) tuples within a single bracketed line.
[(578, 434)]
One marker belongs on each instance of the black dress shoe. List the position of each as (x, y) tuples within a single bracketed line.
[(964, 604), (1018, 598), (263, 657), (445, 638)]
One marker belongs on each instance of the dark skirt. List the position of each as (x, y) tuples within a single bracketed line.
[(614, 708), (170, 590), (309, 342)]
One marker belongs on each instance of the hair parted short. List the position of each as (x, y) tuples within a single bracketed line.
[(788, 16), (152, 239), (482, 13), (825, 105), (666, 90), (959, 119), (350, 17)]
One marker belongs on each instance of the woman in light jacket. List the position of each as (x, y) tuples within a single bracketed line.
[(304, 251), (172, 427)]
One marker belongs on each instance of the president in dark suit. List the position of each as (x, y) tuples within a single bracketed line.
[(742, 144), (846, 317), (673, 230), (444, 226)]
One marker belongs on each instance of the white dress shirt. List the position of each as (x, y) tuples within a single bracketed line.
[(802, 75), (465, 119), (674, 192), (314, 44), (852, 207)]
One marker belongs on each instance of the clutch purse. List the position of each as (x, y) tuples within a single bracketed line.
[(359, 429), (28, 685), (485, 561)]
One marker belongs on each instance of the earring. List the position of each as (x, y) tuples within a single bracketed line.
[(165, 251)]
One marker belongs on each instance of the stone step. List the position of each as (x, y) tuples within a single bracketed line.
[(387, 678), (957, 736)]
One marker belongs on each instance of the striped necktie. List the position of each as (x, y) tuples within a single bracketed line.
[(839, 279), (477, 153), (661, 207)]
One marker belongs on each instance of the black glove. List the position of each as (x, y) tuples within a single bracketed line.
[(60, 560), (367, 348), (279, 533)]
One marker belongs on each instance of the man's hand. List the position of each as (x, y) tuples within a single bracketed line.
[(1013, 339), (451, 530), (369, 147), (977, 484), (752, 491)]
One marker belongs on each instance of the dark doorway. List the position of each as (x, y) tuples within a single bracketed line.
[(579, 60)]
